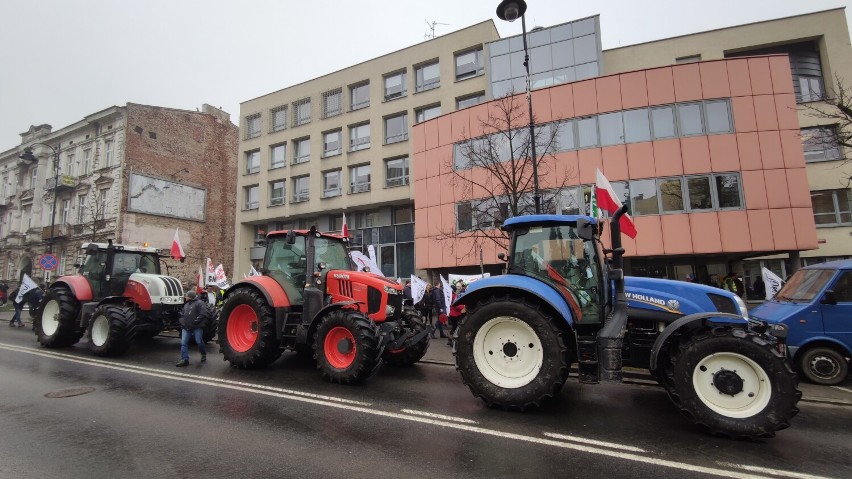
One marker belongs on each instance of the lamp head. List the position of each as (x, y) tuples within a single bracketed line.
[(511, 10), (27, 155)]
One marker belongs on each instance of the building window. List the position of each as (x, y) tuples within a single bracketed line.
[(277, 156), (66, 211), (469, 100), (301, 150), (643, 196), (251, 196), (671, 195), (427, 113), (396, 172), (108, 152), (359, 137), (81, 209), (464, 216), (637, 125), (810, 88), (253, 126), (611, 128), (33, 176), (279, 118), (331, 183), (689, 119), (699, 193), (663, 122), (587, 132), (301, 189), (359, 179), (395, 85), (831, 207), (820, 144), (252, 162), (332, 103), (87, 160), (69, 164), (359, 96), (469, 64), (727, 191), (331, 143), (396, 128), (276, 192), (428, 76), (103, 202), (302, 112), (717, 115)]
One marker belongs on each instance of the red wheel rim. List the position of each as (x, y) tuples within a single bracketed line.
[(242, 328), (339, 347)]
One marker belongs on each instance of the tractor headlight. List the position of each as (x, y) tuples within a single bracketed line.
[(741, 304), (389, 310), (390, 290)]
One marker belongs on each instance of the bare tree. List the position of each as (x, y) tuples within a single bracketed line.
[(835, 137), (94, 225), (492, 175)]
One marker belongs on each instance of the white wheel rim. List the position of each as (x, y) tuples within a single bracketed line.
[(756, 387), (100, 330), (507, 352), (50, 317)]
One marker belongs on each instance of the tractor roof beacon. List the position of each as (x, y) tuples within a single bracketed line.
[(565, 300), (310, 299)]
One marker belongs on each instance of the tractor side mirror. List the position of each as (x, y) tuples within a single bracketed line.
[(291, 237), (829, 298), (502, 256), (585, 229)]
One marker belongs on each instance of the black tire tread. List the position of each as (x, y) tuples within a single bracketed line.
[(266, 349), (68, 333), (366, 337), (122, 330), (408, 356)]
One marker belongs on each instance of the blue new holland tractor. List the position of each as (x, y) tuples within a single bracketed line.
[(565, 300)]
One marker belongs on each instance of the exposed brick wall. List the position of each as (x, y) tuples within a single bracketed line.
[(160, 142)]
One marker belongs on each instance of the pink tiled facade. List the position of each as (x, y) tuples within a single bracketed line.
[(764, 148)]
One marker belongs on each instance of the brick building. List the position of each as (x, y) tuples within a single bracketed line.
[(133, 174)]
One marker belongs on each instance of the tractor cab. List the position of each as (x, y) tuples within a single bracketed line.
[(561, 252), (108, 267)]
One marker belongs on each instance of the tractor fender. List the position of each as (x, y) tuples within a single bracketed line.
[(306, 330), (506, 284), (78, 285), (270, 289), (689, 322)]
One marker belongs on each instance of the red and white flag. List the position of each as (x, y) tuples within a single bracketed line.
[(345, 231), (200, 281), (608, 200), (177, 249)]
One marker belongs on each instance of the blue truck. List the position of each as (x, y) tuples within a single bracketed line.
[(815, 305), (565, 300)]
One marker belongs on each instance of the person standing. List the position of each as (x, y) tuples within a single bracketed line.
[(19, 306), (456, 312), (4, 293), (439, 307), (192, 324)]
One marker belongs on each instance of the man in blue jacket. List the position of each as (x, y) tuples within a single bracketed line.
[(192, 324)]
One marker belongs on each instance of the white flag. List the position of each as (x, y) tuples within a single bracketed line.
[(771, 282), (361, 261), (27, 285), (372, 252), (418, 289), (448, 294), (221, 279), (211, 273), (253, 272)]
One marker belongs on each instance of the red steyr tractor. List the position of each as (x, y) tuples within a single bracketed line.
[(310, 299)]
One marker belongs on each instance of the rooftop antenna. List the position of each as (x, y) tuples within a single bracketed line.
[(431, 33)]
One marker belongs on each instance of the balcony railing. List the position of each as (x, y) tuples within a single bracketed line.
[(65, 182), (59, 231)]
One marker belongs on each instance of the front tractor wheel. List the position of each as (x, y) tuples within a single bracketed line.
[(56, 320), (734, 384), (511, 354), (406, 356), (346, 347), (111, 330), (247, 330)]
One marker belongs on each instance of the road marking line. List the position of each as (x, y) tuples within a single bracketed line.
[(774, 472), (842, 389), (584, 440), (177, 374), (307, 398), (439, 416)]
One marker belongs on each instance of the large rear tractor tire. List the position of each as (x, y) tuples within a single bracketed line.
[(247, 330), (56, 320), (346, 347), (111, 330), (824, 366), (511, 354), (733, 383), (406, 356)]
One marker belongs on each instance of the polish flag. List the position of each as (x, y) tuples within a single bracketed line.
[(345, 232), (177, 249), (608, 201)]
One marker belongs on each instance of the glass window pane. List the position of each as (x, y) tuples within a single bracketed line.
[(637, 126), (611, 128), (464, 216), (500, 68), (585, 49), (405, 259), (663, 121), (405, 232), (570, 202), (728, 191), (689, 119), (540, 60), (587, 130), (718, 116), (563, 54), (671, 195), (643, 195), (565, 136), (386, 257), (699, 193)]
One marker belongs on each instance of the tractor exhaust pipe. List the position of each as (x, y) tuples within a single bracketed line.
[(611, 336)]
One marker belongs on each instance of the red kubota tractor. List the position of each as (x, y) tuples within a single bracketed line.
[(310, 299)]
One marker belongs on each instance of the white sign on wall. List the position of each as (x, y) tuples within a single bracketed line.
[(165, 198)]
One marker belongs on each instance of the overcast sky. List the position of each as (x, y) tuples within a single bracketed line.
[(65, 59)]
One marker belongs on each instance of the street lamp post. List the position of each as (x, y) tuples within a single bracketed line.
[(29, 156), (510, 10)]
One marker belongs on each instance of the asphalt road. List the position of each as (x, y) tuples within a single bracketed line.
[(139, 416)]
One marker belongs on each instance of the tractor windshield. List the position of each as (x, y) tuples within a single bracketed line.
[(557, 256), (287, 264), (333, 253)]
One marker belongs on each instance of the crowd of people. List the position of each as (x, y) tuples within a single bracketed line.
[(440, 318)]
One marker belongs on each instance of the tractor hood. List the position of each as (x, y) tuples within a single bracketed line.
[(369, 279), (160, 289), (678, 298)]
